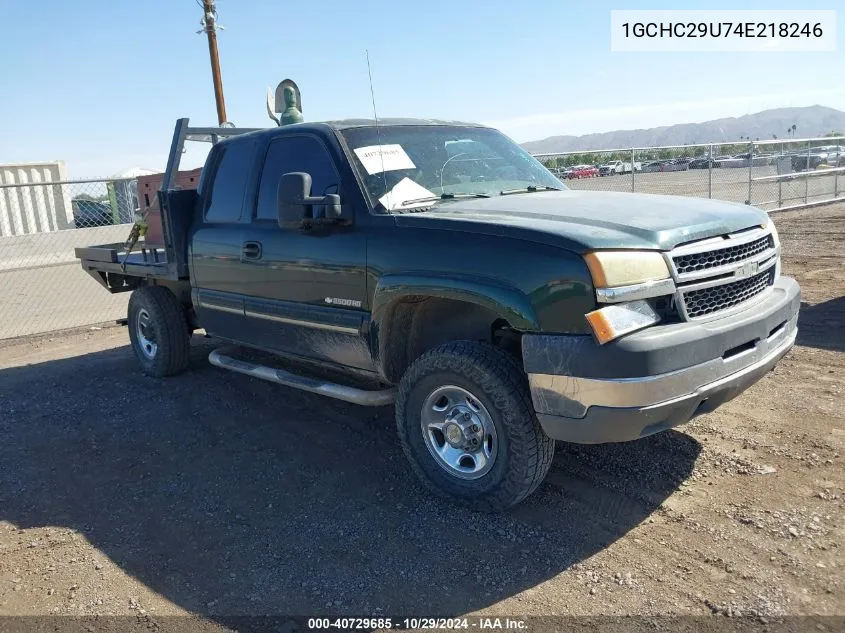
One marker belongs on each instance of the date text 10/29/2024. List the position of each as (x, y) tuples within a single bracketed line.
[(479, 623)]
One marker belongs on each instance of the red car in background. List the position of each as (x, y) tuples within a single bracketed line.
[(584, 171)]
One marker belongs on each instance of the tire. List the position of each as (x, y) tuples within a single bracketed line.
[(498, 397), (158, 331)]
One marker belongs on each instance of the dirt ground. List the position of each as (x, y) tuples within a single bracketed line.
[(216, 494)]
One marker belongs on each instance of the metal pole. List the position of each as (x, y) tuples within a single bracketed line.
[(806, 177), (777, 170), (210, 28), (750, 165), (710, 173), (633, 170)]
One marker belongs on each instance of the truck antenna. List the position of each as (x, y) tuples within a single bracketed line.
[(375, 116)]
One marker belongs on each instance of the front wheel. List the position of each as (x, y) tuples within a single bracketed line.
[(158, 331), (466, 424)]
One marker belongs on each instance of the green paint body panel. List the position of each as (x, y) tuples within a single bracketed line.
[(533, 286), (580, 221)]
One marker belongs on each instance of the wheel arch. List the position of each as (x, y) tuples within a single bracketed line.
[(414, 313)]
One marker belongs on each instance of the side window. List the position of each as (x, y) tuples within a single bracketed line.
[(228, 186), (295, 153)]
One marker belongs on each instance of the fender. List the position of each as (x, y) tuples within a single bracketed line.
[(505, 302)]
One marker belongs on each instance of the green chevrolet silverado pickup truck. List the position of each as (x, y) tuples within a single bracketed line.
[(439, 267)]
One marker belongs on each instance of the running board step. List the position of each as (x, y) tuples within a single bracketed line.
[(220, 358)]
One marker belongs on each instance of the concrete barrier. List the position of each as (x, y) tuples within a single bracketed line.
[(49, 249)]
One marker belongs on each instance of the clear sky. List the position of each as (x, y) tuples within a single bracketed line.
[(100, 83)]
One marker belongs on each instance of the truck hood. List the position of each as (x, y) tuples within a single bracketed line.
[(585, 220)]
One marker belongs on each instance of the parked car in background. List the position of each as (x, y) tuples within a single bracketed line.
[(618, 167), (703, 162), (584, 171), (88, 213), (614, 168), (829, 155), (611, 169), (729, 161), (666, 164)]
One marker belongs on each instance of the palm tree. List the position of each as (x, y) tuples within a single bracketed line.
[(794, 127)]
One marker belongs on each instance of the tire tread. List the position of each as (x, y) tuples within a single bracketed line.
[(502, 380), (165, 310)]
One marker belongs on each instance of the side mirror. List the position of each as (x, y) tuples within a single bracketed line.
[(295, 204)]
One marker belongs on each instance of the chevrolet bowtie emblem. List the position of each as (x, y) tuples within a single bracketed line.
[(748, 269)]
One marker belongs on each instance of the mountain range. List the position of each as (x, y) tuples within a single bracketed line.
[(809, 122)]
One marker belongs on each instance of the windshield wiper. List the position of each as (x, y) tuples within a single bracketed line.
[(444, 196), (529, 189)]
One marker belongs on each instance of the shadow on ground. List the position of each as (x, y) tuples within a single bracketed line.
[(216, 489), (823, 325)]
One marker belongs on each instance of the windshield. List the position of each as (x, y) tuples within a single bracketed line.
[(416, 165)]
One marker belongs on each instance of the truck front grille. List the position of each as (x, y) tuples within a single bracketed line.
[(721, 256), (722, 273), (706, 301)]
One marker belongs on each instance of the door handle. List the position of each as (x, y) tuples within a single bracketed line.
[(251, 250)]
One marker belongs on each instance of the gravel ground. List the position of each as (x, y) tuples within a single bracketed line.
[(219, 495)]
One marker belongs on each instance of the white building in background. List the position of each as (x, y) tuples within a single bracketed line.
[(137, 171), (29, 204), (125, 189)]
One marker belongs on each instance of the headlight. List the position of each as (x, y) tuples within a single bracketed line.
[(610, 269), (613, 321), (776, 241), (775, 235)]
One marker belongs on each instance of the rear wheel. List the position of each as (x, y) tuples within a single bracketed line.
[(466, 424), (158, 331)]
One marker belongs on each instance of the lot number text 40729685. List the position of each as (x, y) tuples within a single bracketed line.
[(460, 623)]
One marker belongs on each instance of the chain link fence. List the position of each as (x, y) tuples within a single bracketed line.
[(43, 288), (772, 175)]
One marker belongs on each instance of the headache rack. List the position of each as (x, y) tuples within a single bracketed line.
[(118, 268)]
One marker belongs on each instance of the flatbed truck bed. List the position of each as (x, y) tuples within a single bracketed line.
[(167, 264), (115, 270)]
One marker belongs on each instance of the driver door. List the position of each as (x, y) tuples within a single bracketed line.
[(306, 289)]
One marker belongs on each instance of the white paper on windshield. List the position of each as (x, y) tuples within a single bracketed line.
[(405, 190), (390, 158)]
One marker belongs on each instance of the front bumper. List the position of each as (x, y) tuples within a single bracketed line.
[(657, 378)]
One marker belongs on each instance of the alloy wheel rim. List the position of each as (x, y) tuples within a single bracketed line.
[(459, 432), (146, 335)]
